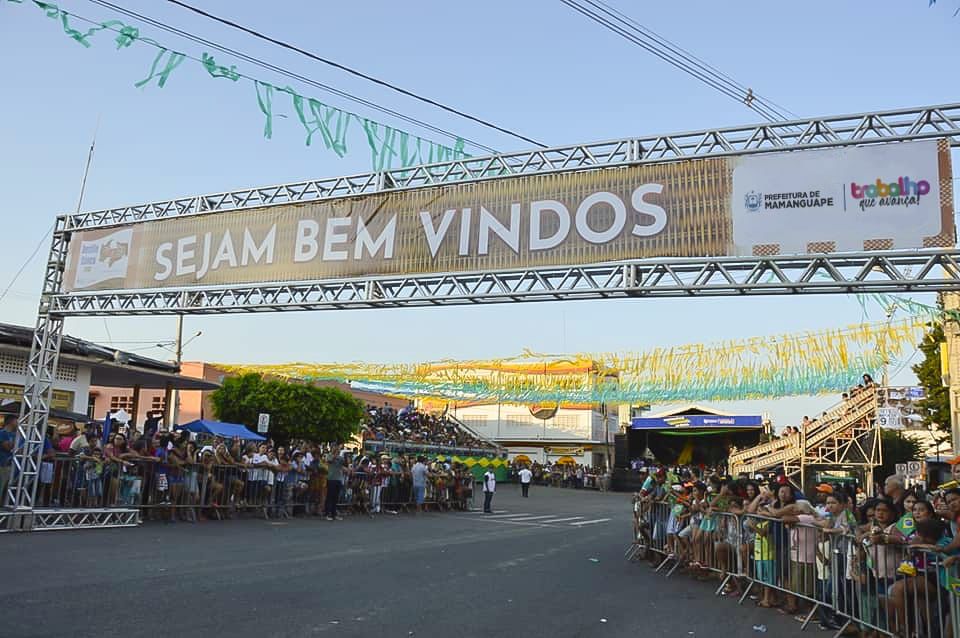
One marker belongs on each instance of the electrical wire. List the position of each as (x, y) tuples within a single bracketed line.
[(27, 262), (904, 364), (675, 56), (352, 71), (281, 71), (782, 112)]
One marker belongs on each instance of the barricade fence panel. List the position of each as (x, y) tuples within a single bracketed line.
[(166, 490), (866, 577)]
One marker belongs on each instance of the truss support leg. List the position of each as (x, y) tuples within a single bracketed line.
[(38, 390), (34, 414)]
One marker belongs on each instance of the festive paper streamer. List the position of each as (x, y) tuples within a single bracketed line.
[(389, 147), (760, 367)]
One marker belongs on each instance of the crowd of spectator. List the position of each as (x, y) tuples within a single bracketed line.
[(179, 475), (867, 559), (554, 474), (418, 428)]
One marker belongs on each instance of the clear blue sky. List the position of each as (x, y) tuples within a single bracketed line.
[(534, 66)]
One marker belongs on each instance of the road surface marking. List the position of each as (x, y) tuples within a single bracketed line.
[(597, 520), (563, 520), (506, 515), (532, 518)]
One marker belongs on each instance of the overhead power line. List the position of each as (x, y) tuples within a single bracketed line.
[(355, 72), (684, 53), (631, 30), (26, 263), (281, 71)]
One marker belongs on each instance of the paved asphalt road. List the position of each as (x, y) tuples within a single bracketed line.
[(523, 572)]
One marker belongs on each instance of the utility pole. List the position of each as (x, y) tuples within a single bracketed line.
[(175, 395)]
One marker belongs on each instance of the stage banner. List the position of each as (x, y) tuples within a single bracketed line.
[(697, 421), (884, 196)]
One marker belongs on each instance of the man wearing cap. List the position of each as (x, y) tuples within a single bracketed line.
[(823, 491)]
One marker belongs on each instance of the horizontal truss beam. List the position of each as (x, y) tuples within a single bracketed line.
[(820, 132), (853, 273)]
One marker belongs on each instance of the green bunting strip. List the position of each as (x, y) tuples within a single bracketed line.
[(389, 147)]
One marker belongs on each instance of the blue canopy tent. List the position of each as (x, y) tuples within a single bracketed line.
[(225, 430)]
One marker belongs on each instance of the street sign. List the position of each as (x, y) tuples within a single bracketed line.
[(889, 418), (901, 469), (914, 469), (263, 423)]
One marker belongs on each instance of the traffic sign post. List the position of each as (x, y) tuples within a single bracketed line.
[(901, 469), (263, 423), (914, 469)]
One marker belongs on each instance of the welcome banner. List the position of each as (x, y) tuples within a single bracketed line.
[(880, 197)]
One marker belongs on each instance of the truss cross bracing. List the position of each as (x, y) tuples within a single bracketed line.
[(915, 271), (847, 435), (852, 273)]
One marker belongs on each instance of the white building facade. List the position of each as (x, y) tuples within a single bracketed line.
[(582, 433)]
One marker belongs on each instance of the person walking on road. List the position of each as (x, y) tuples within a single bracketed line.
[(489, 487), (334, 483), (420, 472), (525, 476)]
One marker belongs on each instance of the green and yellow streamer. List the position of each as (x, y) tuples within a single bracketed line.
[(760, 367)]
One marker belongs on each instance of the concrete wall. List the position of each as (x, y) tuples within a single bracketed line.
[(515, 422)]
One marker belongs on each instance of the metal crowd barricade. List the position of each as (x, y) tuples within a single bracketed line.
[(168, 490), (891, 589)]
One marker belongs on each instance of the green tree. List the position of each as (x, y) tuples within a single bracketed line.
[(296, 410), (935, 408), (896, 449)]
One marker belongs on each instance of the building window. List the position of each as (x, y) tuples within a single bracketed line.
[(12, 363), (158, 404), (67, 372), (91, 406), (121, 403)]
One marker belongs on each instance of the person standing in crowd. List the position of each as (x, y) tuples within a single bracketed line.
[(87, 440), (419, 473), (8, 440), (895, 489), (824, 490), (525, 477), (489, 487), (334, 483)]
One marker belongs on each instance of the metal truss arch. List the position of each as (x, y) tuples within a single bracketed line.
[(850, 273), (928, 270)]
